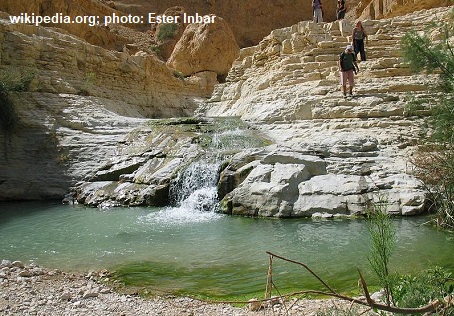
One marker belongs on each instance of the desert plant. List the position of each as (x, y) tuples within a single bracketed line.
[(90, 78), (167, 31), (178, 74), (155, 49), (426, 286), (435, 160), (434, 165), (383, 241), (11, 81)]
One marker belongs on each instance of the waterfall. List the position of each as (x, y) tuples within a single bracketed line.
[(195, 187), (193, 193)]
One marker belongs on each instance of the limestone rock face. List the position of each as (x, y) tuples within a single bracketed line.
[(141, 171), (205, 47), (140, 80), (84, 99), (284, 182), (288, 88), (168, 34), (250, 20), (379, 9), (93, 34)]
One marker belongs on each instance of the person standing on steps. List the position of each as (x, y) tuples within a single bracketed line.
[(347, 68), (358, 37), (340, 10), (317, 9)]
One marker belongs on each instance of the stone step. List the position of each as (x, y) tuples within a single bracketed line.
[(392, 43), (375, 52)]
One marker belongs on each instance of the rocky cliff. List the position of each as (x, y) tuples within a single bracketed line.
[(250, 20), (83, 99), (287, 86), (379, 9), (86, 121), (331, 156), (97, 35)]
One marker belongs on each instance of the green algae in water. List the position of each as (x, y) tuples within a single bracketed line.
[(205, 255), (223, 282), (217, 281)]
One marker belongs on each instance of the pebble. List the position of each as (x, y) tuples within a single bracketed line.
[(52, 292)]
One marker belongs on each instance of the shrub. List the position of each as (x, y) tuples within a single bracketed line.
[(427, 286), (11, 81), (435, 160), (178, 74), (167, 31), (383, 241), (90, 78)]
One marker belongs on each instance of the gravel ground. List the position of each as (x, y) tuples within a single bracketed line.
[(33, 290)]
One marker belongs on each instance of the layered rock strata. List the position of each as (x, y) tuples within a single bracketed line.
[(378, 9), (287, 86), (331, 155), (250, 20), (83, 99), (94, 34)]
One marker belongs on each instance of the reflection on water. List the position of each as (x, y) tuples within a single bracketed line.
[(205, 251)]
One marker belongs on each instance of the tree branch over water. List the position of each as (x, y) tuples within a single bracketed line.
[(431, 307)]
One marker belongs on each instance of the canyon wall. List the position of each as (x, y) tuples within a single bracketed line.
[(83, 100), (250, 20), (336, 153), (97, 35), (379, 9)]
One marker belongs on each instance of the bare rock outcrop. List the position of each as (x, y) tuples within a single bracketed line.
[(83, 100), (168, 34), (379, 9), (250, 20), (140, 80), (205, 47), (287, 87), (94, 34)]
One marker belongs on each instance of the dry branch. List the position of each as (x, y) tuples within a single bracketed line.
[(431, 307)]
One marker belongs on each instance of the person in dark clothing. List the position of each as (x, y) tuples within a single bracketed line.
[(317, 10), (347, 68), (358, 37), (340, 10)]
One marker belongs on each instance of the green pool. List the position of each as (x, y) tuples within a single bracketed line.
[(176, 250)]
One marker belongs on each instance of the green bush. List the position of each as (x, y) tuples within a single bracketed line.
[(383, 241), (427, 286), (90, 78), (435, 160), (178, 74), (404, 291), (11, 81), (167, 31)]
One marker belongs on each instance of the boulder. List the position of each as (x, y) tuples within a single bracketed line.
[(288, 183), (205, 47), (168, 34), (271, 185)]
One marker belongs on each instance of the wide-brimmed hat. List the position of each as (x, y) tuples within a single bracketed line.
[(349, 47)]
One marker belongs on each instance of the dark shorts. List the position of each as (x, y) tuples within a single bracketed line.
[(340, 15)]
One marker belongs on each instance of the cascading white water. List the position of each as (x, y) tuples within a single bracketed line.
[(193, 194), (195, 187)]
